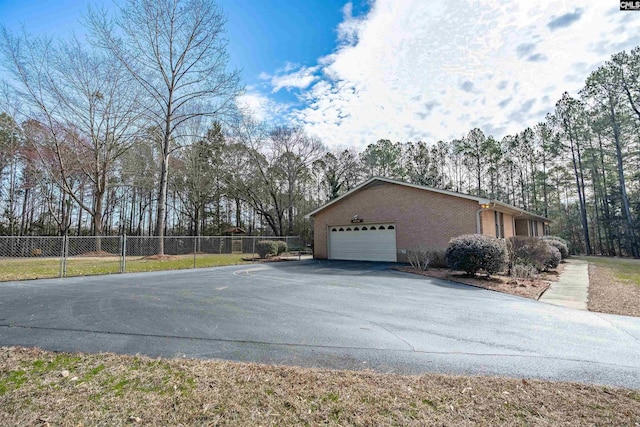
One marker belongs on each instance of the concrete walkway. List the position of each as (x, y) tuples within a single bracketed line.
[(572, 288)]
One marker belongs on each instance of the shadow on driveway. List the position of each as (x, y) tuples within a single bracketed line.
[(361, 269)]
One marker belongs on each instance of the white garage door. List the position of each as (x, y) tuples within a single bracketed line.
[(369, 242)]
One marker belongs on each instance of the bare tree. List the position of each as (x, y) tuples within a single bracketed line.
[(83, 123), (257, 179), (176, 51), (294, 152)]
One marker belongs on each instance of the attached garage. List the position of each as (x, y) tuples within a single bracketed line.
[(382, 219), (368, 242)]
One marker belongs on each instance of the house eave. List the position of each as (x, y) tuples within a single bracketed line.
[(494, 204), (480, 200), (517, 212)]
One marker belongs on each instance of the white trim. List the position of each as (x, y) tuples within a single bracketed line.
[(480, 200)]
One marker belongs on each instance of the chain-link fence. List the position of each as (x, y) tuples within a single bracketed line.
[(24, 257)]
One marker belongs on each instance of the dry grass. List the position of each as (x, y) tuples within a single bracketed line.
[(610, 294), (528, 288), (44, 388)]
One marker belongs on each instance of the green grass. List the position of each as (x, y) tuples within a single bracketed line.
[(625, 269), (38, 268)]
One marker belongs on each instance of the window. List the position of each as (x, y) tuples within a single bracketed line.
[(391, 227), (348, 228), (333, 229), (341, 229), (499, 219), (364, 228), (533, 227), (381, 227), (356, 229), (372, 228)]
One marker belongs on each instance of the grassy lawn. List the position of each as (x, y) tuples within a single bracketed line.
[(34, 268), (45, 388), (622, 268)]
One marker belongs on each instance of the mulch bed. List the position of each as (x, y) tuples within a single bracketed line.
[(610, 295), (528, 288), (50, 389)]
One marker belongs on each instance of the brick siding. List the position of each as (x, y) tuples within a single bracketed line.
[(422, 217)]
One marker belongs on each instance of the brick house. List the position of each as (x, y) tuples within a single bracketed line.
[(380, 219)]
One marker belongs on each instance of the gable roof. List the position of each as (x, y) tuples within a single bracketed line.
[(481, 200)]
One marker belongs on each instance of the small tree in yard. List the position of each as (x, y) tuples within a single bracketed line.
[(473, 252)]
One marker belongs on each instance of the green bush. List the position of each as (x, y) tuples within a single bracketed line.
[(281, 246), (559, 243), (532, 251), (266, 248), (473, 252)]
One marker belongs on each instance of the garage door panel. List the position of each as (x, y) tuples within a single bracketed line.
[(363, 245)]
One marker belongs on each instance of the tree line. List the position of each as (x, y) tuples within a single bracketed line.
[(137, 131)]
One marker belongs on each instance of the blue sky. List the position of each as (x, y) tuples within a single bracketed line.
[(407, 70)]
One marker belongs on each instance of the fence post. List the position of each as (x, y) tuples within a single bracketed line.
[(62, 256), (253, 251), (65, 255), (194, 251), (123, 259)]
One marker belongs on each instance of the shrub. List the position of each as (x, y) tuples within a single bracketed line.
[(522, 271), (265, 248), (473, 252), (437, 259), (419, 258), (559, 243), (281, 246), (553, 258), (558, 238), (532, 251), (423, 258)]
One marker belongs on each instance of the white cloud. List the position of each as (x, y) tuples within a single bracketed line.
[(350, 26), (261, 107), (302, 78), (417, 69)]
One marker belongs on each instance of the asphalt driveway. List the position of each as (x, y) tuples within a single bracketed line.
[(322, 314)]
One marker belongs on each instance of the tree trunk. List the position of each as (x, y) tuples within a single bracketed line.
[(583, 209), (238, 212), (621, 179), (162, 198), (611, 248)]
